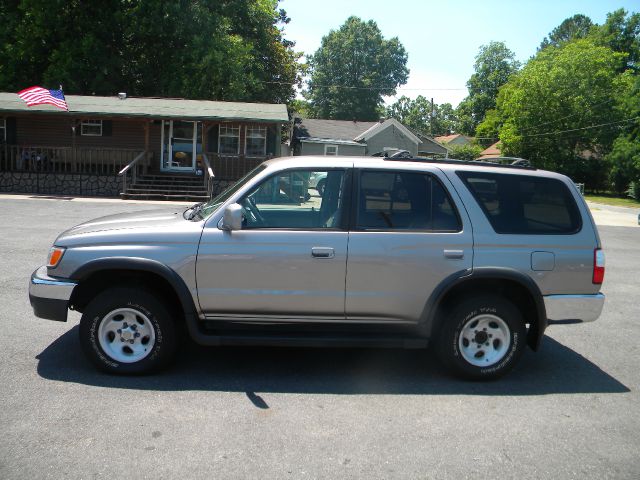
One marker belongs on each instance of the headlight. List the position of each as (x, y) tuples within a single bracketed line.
[(55, 255)]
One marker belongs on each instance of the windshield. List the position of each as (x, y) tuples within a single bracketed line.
[(213, 204)]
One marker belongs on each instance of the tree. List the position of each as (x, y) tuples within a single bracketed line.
[(223, 50), (624, 158), (352, 70), (621, 33), (494, 64), (571, 28), (465, 152), (550, 109), (416, 114), (489, 129)]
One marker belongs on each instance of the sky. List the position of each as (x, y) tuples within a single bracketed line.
[(442, 37)]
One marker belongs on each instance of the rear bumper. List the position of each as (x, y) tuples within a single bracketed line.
[(49, 296), (573, 308)]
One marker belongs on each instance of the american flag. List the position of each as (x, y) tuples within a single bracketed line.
[(38, 96)]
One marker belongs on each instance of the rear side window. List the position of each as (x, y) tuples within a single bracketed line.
[(520, 204), (404, 201)]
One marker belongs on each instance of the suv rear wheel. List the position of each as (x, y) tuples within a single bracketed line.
[(482, 338), (127, 331)]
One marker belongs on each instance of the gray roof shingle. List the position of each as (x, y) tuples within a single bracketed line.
[(334, 129), (153, 108)]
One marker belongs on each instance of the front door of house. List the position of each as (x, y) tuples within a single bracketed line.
[(181, 144)]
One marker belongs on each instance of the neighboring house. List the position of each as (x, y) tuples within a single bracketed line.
[(47, 150), (429, 147), (493, 151), (344, 137), (455, 140)]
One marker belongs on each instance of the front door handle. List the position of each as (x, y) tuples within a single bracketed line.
[(323, 252), (456, 254)]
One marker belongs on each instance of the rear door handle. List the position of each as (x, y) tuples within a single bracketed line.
[(455, 254), (323, 252)]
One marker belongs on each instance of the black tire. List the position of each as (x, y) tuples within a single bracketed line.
[(482, 338), (320, 187), (150, 316)]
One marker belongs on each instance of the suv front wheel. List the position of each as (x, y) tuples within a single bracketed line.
[(482, 338), (127, 331)]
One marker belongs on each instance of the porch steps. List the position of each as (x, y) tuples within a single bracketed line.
[(189, 188)]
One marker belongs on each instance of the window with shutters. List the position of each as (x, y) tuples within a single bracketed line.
[(91, 128)]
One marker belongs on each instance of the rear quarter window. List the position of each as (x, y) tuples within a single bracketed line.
[(520, 204)]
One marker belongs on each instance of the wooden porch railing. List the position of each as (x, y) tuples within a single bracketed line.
[(208, 174), (232, 167), (42, 158), (133, 168)]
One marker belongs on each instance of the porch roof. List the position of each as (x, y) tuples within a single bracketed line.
[(156, 108)]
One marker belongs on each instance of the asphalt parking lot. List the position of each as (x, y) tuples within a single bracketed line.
[(571, 410)]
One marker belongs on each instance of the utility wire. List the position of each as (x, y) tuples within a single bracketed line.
[(347, 87), (558, 132), (568, 116)]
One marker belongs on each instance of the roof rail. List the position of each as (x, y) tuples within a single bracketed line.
[(518, 163)]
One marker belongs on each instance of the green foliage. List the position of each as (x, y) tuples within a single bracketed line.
[(223, 50), (571, 28), (488, 130), (416, 114), (464, 114), (465, 152), (620, 33), (570, 87), (300, 108), (494, 64), (352, 70), (625, 163)]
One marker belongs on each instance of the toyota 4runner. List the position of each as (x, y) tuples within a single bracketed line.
[(476, 259)]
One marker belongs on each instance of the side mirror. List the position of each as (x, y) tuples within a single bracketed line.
[(232, 219)]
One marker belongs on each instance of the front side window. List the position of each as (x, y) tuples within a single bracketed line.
[(521, 204), (3, 130), (91, 128), (404, 201), (289, 200), (229, 140), (256, 141)]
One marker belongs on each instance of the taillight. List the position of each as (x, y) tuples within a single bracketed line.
[(598, 266)]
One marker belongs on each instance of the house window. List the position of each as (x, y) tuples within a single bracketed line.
[(229, 140), (91, 128), (331, 149), (256, 141), (3, 130)]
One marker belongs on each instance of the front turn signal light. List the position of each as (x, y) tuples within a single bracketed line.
[(55, 255)]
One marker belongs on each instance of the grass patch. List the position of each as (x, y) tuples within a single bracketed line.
[(612, 200)]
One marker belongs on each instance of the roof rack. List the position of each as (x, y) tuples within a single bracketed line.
[(518, 163)]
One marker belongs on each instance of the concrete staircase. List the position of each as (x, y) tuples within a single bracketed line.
[(189, 188)]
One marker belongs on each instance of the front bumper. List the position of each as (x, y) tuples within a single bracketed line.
[(573, 308), (49, 296)]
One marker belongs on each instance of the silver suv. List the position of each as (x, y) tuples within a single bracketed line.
[(476, 259)]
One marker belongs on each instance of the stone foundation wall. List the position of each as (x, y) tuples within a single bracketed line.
[(74, 184), (61, 184)]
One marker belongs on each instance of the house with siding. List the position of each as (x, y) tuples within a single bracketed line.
[(492, 151), (135, 147), (344, 137), (455, 140)]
